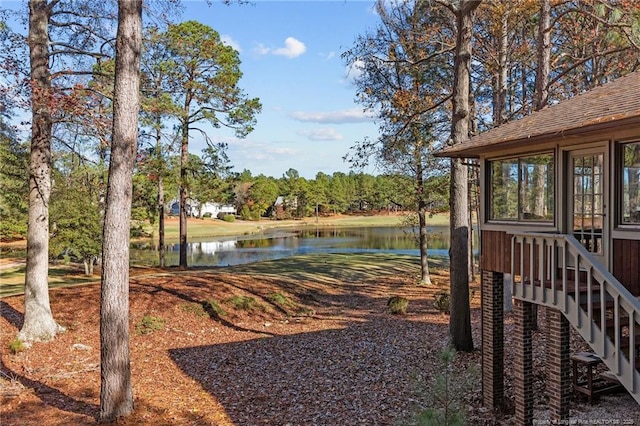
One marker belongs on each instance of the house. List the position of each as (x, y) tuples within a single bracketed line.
[(195, 209), (212, 209), (560, 213)]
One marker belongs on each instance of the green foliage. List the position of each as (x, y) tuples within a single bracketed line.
[(255, 196), (305, 312), (206, 177), (280, 299), (213, 308), (75, 211), (229, 218), (149, 324), (16, 346), (244, 303), (446, 403), (285, 302), (442, 301), (197, 309), (144, 202), (14, 180), (205, 72), (137, 231), (398, 305)]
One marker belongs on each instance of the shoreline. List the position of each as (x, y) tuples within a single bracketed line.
[(216, 228)]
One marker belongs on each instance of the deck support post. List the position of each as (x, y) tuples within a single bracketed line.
[(523, 362), (492, 340), (558, 365)]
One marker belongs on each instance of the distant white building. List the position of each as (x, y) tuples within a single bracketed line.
[(199, 210), (195, 209)]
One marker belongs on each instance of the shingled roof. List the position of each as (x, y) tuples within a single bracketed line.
[(610, 105)]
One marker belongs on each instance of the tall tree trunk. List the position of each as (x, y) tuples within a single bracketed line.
[(500, 89), (425, 277), (543, 69), (116, 394), (184, 157), (161, 251), (460, 319), (39, 324), (424, 258)]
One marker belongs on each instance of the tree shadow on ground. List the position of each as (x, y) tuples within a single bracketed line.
[(51, 396), (14, 317), (212, 314), (366, 373)]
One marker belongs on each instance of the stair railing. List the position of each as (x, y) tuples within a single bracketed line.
[(555, 270)]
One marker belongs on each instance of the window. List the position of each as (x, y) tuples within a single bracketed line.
[(631, 183), (522, 189)]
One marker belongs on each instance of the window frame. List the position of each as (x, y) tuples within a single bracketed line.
[(619, 179), (520, 220)]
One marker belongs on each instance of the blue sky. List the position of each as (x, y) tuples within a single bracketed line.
[(290, 53)]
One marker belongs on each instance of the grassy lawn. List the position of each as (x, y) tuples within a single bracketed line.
[(204, 228), (12, 279), (325, 268), (348, 266)]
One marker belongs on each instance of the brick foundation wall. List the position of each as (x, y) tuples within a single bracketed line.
[(558, 381), (523, 362), (492, 339)]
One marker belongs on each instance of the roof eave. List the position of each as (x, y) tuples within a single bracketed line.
[(460, 151)]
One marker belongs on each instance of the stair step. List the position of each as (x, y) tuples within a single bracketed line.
[(571, 286), (597, 306)]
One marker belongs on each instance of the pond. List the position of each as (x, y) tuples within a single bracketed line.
[(283, 243)]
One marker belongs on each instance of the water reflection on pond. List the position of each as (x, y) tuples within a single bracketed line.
[(282, 243)]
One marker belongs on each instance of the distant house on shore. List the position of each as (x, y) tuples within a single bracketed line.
[(195, 209), (214, 209)]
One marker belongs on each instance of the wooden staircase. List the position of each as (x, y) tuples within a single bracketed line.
[(556, 271)]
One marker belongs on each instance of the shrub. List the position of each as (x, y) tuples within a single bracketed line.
[(280, 299), (137, 231), (446, 394), (442, 301), (213, 308), (207, 215), (149, 324), (245, 303), (229, 218), (305, 312), (194, 308), (17, 345), (12, 229), (398, 305)]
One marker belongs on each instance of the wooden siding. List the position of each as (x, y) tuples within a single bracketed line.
[(626, 264), (496, 251), (496, 256)]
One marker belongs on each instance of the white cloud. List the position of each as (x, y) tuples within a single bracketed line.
[(228, 41), (261, 49), (327, 134), (353, 115), (331, 55), (292, 48)]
